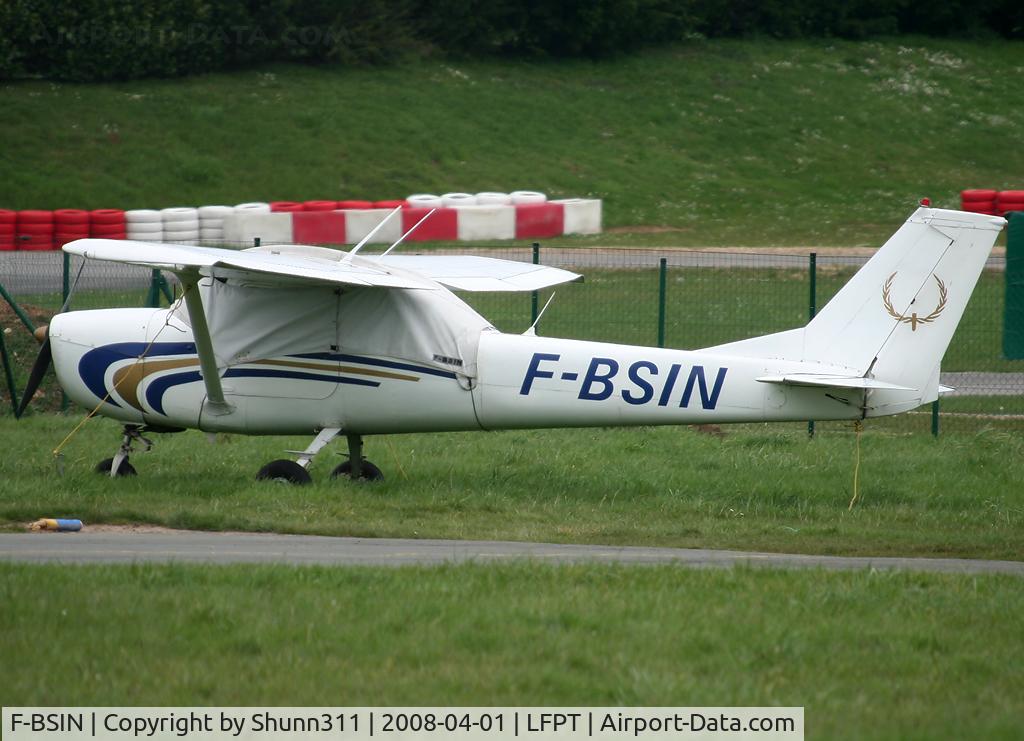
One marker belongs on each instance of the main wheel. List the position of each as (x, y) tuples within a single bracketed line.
[(285, 471), (125, 469), (367, 471)]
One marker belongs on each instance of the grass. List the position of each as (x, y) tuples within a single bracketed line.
[(725, 142), (869, 654), (753, 488)]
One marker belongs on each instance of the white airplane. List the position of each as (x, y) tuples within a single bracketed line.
[(289, 340)]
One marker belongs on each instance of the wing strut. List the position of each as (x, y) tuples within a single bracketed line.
[(215, 402), (351, 253)]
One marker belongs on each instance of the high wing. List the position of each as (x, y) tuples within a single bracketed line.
[(469, 273), (289, 264), (266, 265)]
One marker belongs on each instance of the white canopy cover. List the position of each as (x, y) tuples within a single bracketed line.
[(251, 322)]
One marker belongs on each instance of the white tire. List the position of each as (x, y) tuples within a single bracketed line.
[(178, 215), (211, 234), (528, 196), (493, 199), (143, 228), (181, 237), (193, 225), (424, 200), (458, 199), (214, 212), (147, 237), (142, 216), (211, 223), (256, 206)]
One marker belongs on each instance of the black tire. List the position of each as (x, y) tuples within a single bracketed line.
[(285, 471), (367, 472), (125, 469)]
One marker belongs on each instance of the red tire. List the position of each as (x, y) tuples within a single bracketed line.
[(35, 242), (70, 216), (35, 229), (355, 204), (7, 217), (108, 231), (390, 204), (35, 217), (61, 239), (980, 208), (319, 205), (977, 195), (107, 216), (286, 206), (1017, 196)]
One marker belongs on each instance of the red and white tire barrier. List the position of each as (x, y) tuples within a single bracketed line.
[(457, 217), (519, 215)]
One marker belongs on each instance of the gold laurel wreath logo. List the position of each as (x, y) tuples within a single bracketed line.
[(913, 320)]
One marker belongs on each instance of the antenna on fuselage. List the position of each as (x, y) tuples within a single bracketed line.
[(532, 331), (349, 255), (414, 228)]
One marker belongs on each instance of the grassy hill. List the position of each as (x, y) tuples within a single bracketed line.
[(719, 143)]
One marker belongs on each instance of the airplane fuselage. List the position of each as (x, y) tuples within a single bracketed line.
[(520, 381)]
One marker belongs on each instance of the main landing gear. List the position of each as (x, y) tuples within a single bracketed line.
[(296, 472)]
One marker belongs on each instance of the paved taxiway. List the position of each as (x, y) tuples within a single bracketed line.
[(223, 548)]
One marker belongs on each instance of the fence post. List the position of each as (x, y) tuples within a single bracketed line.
[(153, 299), (533, 294), (935, 418), (812, 308), (9, 375), (662, 279), (29, 324)]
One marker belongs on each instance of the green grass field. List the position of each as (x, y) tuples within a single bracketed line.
[(869, 654), (717, 142), (755, 488)]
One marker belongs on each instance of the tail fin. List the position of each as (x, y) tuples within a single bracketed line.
[(895, 318)]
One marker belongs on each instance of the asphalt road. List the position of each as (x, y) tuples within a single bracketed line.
[(224, 548)]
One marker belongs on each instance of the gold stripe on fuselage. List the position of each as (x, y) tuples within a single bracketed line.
[(128, 379)]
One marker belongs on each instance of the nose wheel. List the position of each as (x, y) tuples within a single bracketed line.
[(119, 465)]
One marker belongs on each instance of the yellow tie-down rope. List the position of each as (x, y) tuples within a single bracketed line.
[(106, 398), (858, 427)]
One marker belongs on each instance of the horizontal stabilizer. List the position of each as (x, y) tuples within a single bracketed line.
[(827, 381)]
